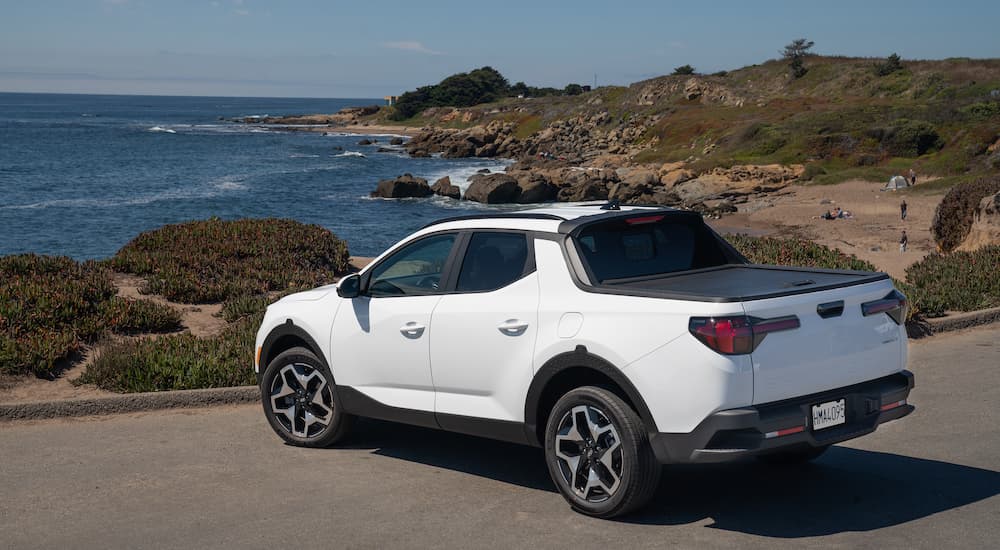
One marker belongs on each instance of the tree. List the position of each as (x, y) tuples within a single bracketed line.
[(891, 64), (519, 89), (573, 89), (795, 53), (684, 69)]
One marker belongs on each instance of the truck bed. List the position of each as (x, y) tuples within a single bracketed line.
[(740, 282)]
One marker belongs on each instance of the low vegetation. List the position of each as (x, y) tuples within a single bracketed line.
[(177, 361), (954, 215), (957, 281), (51, 307), (795, 252), (245, 264), (216, 260)]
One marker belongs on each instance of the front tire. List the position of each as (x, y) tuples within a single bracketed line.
[(598, 453), (299, 399)]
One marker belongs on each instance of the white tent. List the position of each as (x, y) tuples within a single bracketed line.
[(897, 182)]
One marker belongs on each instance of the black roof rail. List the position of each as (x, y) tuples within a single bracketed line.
[(501, 215)]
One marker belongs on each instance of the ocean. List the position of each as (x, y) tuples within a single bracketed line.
[(81, 175)]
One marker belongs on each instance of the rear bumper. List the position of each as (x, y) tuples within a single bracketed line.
[(736, 433)]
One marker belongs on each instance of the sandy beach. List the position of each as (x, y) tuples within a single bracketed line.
[(872, 233)]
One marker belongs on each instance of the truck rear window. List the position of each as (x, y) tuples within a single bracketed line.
[(640, 247)]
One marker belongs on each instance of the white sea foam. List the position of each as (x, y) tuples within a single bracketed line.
[(161, 129), (460, 175), (214, 188), (351, 154), (302, 156)]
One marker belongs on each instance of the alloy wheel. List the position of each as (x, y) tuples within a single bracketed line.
[(302, 400), (589, 453)]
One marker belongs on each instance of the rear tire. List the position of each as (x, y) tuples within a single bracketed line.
[(598, 453), (793, 456), (299, 398)]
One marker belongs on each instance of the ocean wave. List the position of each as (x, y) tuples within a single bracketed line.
[(460, 174), (161, 129), (302, 156), (214, 188), (350, 154)]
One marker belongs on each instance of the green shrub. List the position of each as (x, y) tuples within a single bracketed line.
[(244, 306), (983, 110), (213, 260), (795, 252), (130, 316), (812, 170), (959, 281), (891, 64), (50, 307), (953, 217), (683, 70), (908, 138), (177, 361)]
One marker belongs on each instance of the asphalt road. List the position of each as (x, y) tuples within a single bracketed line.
[(219, 478)]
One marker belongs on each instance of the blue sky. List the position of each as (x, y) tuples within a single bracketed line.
[(312, 48)]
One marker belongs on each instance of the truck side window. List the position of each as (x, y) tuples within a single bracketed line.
[(492, 261)]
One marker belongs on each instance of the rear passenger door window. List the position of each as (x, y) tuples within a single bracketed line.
[(493, 260)]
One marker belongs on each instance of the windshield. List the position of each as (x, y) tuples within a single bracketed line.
[(652, 245)]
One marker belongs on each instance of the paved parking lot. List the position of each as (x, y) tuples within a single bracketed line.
[(214, 478)]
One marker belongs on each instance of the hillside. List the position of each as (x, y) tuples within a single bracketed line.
[(841, 120)]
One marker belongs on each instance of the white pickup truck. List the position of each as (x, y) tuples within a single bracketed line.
[(618, 339)]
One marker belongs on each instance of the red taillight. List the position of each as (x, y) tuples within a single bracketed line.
[(739, 334), (643, 220), (893, 305)]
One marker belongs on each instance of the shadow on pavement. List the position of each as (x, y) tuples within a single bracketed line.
[(845, 490)]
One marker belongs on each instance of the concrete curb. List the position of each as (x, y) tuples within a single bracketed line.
[(957, 321), (128, 403)]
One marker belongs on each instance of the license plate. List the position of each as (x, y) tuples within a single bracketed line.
[(829, 414)]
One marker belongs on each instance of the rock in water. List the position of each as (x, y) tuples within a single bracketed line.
[(396, 141), (404, 186), (444, 188), (492, 189), (365, 142)]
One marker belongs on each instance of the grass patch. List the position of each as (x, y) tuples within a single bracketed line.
[(528, 126), (50, 307), (214, 260)]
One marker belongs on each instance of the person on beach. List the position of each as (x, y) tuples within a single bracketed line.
[(903, 242), (913, 177), (902, 210)]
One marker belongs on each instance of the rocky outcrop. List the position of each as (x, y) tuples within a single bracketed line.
[(405, 186), (985, 228), (347, 115), (445, 188), (396, 141), (492, 189)]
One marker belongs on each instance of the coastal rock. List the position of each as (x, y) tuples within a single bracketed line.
[(444, 188), (535, 189), (365, 142), (985, 228), (492, 189), (404, 186), (396, 141), (593, 190)]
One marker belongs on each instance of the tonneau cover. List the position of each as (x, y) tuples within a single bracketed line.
[(740, 283)]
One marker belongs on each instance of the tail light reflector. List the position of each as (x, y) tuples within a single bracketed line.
[(893, 305), (737, 335)]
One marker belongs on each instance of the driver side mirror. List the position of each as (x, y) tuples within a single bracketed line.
[(350, 286)]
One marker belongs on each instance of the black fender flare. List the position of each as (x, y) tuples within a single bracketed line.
[(288, 328), (577, 358)]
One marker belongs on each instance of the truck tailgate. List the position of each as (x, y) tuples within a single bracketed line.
[(827, 351)]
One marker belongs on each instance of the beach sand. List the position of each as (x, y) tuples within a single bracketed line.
[(872, 234)]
